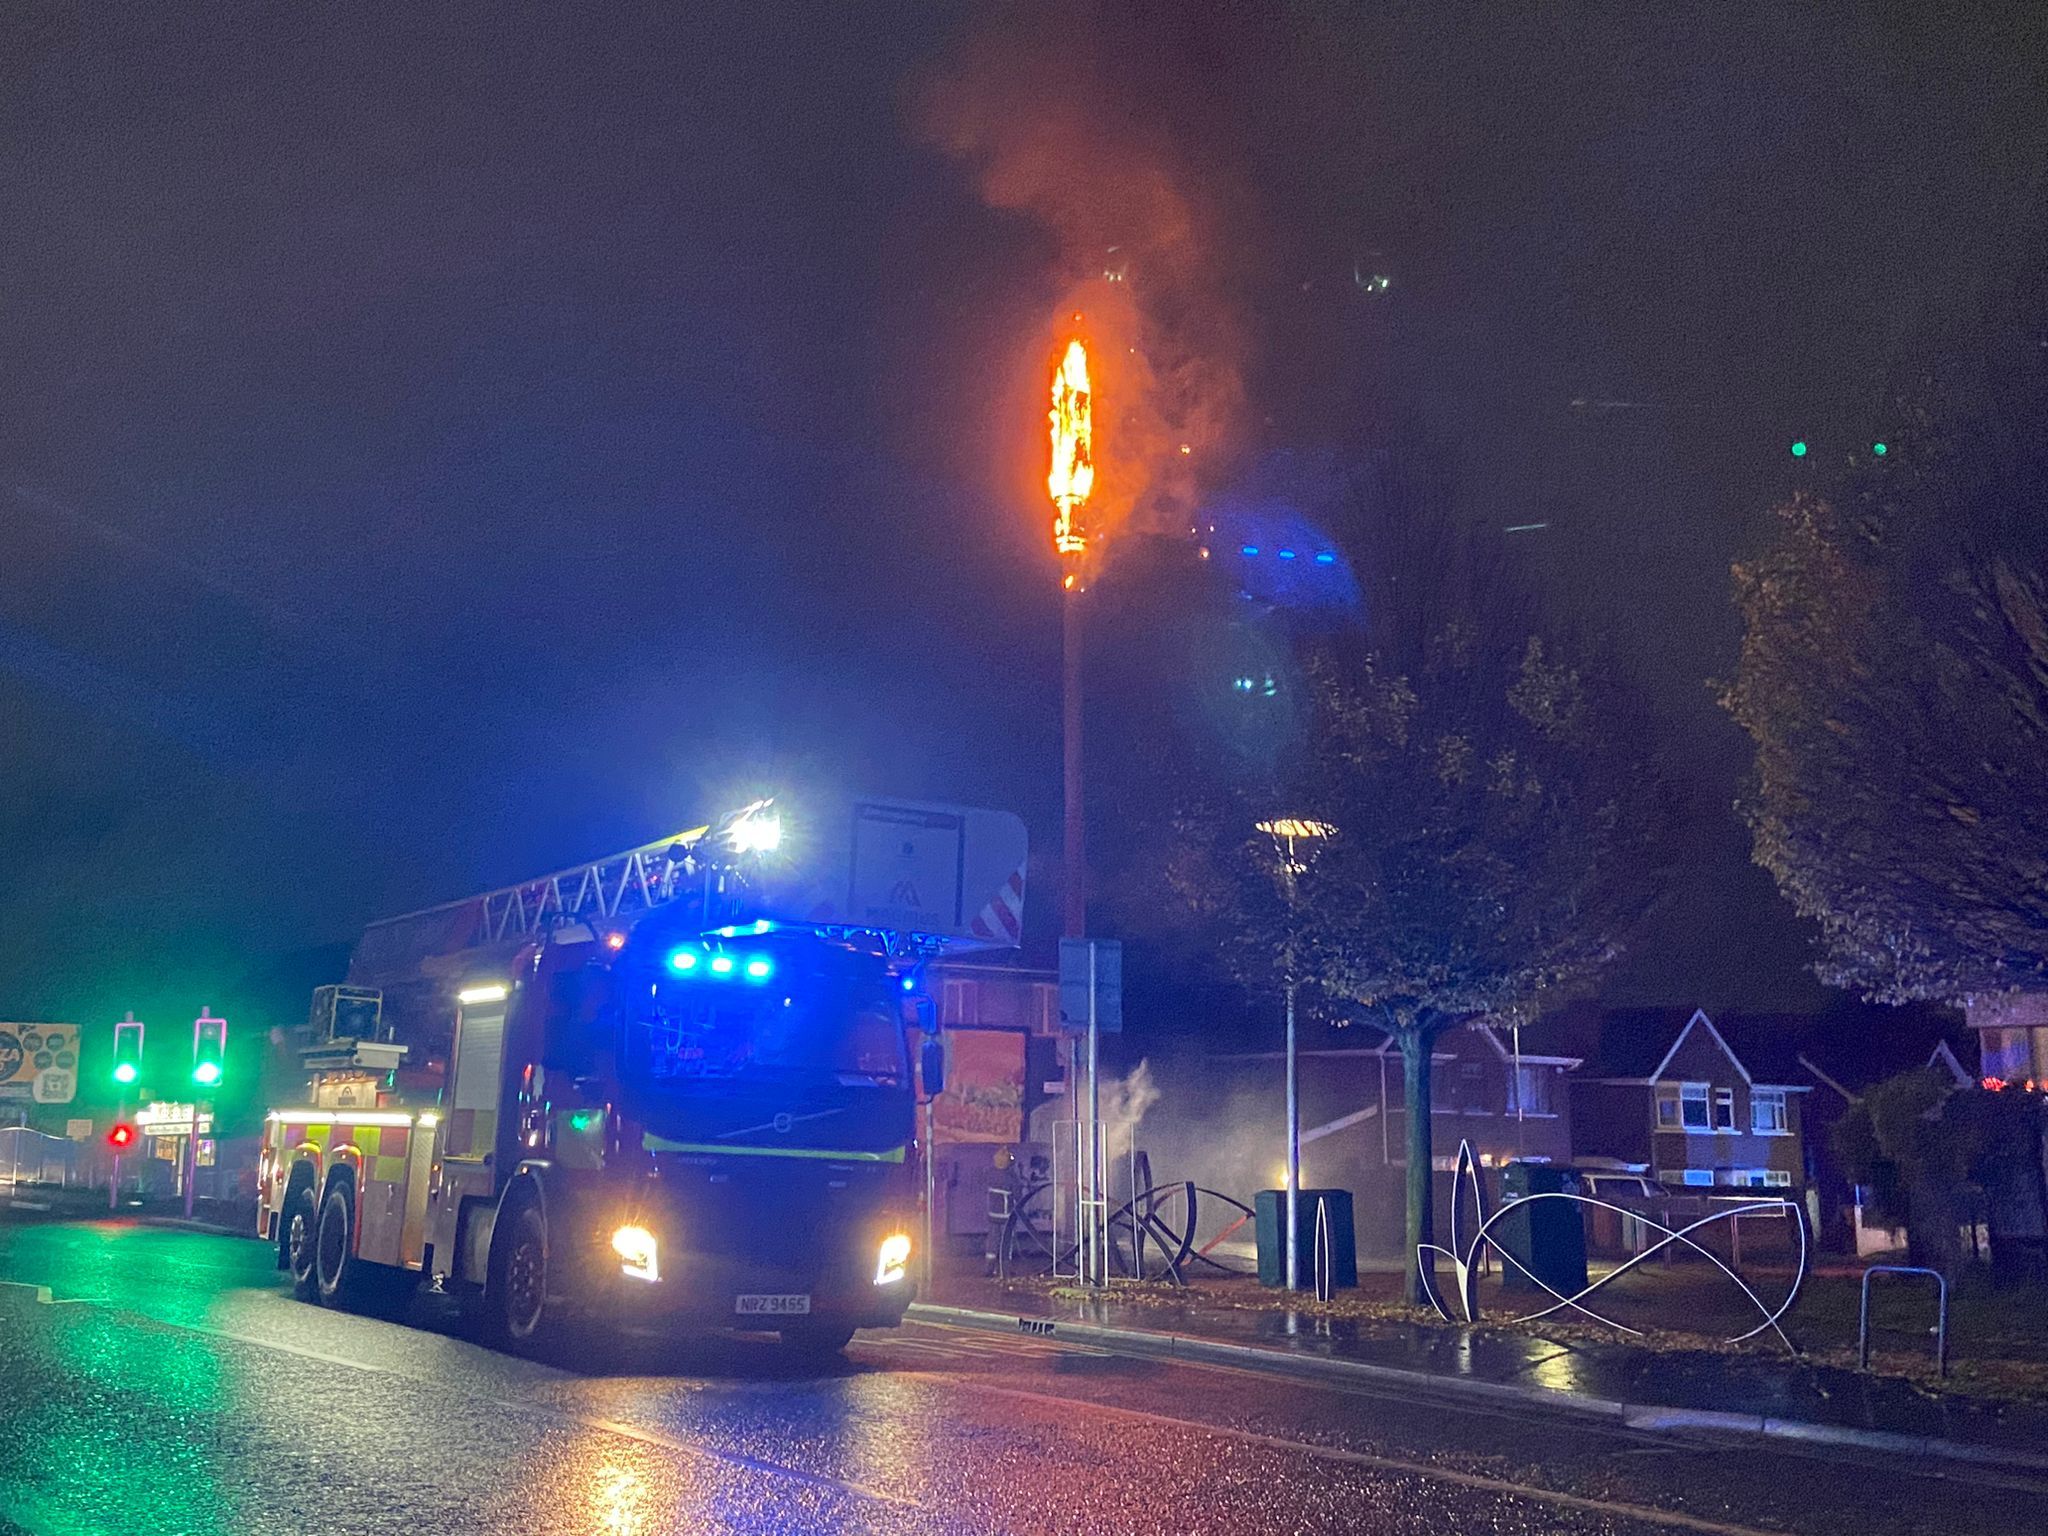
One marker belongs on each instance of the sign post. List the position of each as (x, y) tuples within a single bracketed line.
[(1091, 1002)]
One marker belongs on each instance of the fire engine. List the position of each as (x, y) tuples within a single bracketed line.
[(679, 1085)]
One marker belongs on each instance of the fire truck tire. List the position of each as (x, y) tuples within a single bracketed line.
[(816, 1339), (516, 1306), (298, 1229), (338, 1273)]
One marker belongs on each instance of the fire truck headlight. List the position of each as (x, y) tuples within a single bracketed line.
[(892, 1259), (638, 1253)]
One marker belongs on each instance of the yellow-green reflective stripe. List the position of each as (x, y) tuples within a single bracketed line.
[(661, 1144)]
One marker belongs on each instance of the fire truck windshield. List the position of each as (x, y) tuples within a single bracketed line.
[(811, 1055)]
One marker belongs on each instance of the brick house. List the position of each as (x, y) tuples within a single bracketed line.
[(2012, 1035), (1508, 1106), (1685, 1107), (1224, 1128)]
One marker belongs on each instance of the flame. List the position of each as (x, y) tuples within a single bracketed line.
[(1072, 477)]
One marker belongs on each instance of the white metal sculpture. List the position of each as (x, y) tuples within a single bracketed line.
[(1465, 1255)]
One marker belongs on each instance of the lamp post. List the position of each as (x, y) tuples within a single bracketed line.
[(1295, 840)]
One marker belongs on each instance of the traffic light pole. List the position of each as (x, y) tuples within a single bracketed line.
[(114, 1184)]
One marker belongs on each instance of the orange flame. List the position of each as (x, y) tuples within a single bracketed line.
[(1072, 477)]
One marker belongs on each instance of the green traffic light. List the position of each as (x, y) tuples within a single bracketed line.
[(206, 1074), (125, 1073), (1799, 449), (1879, 449)]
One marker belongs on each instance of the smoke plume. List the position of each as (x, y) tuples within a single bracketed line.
[(1036, 107)]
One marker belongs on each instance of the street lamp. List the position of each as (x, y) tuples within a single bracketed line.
[(1296, 840)]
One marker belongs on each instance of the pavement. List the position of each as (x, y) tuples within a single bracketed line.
[(163, 1380), (1755, 1394)]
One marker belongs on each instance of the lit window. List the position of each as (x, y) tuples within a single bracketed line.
[(1699, 1175), (1724, 1109), (1767, 1111), (1692, 1101), (1667, 1109)]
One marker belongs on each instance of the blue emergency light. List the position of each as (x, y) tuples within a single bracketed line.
[(690, 961)]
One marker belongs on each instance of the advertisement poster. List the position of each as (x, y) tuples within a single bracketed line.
[(984, 1097), (39, 1062)]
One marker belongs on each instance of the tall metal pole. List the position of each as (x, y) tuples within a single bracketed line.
[(1293, 1190), (1098, 1226), (114, 1184), (1074, 924), (930, 1198), (1074, 852)]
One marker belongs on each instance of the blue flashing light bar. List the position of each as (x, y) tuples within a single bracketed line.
[(694, 962)]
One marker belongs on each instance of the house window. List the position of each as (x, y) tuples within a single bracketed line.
[(1692, 1106), (960, 1003), (1667, 1109), (1699, 1176), (1778, 1178), (1472, 1087), (1532, 1090), (1767, 1112), (1724, 1109), (1045, 1008)]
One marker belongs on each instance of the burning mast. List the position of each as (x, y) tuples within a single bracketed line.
[(1071, 480)]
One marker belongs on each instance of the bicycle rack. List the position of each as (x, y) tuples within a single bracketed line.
[(1941, 1324)]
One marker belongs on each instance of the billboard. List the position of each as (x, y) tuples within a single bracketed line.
[(39, 1062), (984, 1097)]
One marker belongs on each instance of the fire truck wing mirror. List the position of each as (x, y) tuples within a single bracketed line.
[(931, 1067)]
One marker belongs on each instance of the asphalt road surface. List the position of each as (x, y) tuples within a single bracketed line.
[(156, 1380)]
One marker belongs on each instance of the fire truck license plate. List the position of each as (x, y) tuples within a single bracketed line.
[(776, 1306)]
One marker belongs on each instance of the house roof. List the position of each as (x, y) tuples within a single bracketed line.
[(1854, 1043), (1536, 1048)]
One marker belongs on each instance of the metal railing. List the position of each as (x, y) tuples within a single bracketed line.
[(1941, 1320)]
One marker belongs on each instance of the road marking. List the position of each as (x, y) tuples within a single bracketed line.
[(45, 1299), (515, 1404), (1647, 1514)]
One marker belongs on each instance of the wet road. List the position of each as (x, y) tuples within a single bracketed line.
[(165, 1381)]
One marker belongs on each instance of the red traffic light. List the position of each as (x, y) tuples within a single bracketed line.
[(121, 1137)]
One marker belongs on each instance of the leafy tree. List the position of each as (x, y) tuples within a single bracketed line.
[(1495, 814), (1912, 1158), (1926, 1151), (1894, 679)]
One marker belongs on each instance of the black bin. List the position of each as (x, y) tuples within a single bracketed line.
[(1270, 1206), (1541, 1239)]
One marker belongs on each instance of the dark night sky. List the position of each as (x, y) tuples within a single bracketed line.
[(441, 443)]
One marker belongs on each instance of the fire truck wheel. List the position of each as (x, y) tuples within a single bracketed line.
[(298, 1236), (337, 1271), (518, 1306), (816, 1338)]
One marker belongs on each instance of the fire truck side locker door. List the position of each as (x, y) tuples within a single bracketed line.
[(468, 1135)]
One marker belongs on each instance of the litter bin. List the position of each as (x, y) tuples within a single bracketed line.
[(1270, 1208), (1543, 1239)]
